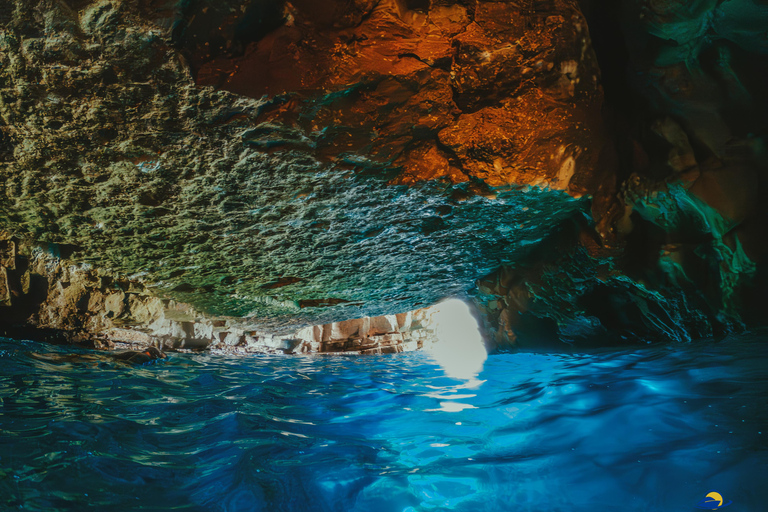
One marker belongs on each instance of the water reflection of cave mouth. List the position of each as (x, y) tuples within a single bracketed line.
[(459, 349)]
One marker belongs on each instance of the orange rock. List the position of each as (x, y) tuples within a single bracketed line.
[(498, 92)]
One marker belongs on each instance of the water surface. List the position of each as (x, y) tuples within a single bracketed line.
[(634, 430)]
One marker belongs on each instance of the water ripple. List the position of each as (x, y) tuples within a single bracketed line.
[(633, 430)]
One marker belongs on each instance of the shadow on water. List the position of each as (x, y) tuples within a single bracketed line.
[(633, 430)]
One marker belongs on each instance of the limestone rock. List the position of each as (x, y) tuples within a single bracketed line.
[(288, 165), (5, 289), (219, 175)]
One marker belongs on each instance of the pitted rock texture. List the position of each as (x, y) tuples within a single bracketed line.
[(257, 166), (48, 297), (503, 92), (682, 251), (379, 166)]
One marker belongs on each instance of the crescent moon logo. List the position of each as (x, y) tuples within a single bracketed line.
[(713, 501)]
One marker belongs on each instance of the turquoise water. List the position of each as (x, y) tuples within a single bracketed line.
[(633, 430)]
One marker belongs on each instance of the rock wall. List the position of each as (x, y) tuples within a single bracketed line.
[(681, 250), (403, 332), (288, 166), (45, 296), (497, 92), (210, 172)]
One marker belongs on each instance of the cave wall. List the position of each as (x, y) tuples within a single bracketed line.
[(289, 164), (45, 296), (493, 92), (683, 245), (368, 165)]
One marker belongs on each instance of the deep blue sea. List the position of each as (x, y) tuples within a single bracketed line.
[(651, 429)]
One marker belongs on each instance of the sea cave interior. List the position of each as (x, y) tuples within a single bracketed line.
[(383, 255)]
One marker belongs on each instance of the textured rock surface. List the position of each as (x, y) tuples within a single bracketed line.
[(47, 297), (245, 166), (683, 247), (373, 172), (495, 91), (414, 330)]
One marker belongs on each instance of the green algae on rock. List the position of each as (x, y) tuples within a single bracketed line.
[(211, 198), (208, 171)]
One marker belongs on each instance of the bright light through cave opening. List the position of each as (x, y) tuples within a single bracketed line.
[(459, 350)]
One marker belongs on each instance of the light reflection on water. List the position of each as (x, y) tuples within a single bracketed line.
[(634, 430)]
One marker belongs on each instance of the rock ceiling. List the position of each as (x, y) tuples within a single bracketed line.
[(302, 162)]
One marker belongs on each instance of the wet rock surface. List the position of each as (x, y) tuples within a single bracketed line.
[(55, 300), (375, 169), (224, 173), (682, 247)]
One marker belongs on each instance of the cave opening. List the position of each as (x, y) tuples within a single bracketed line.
[(459, 347)]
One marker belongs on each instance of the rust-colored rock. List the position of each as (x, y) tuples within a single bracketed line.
[(496, 92), (292, 163)]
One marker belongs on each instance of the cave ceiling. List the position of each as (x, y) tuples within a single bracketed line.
[(310, 161), (297, 162)]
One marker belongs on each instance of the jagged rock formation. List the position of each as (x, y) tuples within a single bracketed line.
[(282, 164), (365, 181), (498, 92), (403, 332), (49, 298), (682, 250), (71, 302)]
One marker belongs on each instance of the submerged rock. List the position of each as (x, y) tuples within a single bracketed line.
[(143, 356), (148, 355)]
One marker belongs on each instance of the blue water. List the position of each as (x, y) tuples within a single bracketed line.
[(632, 430)]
